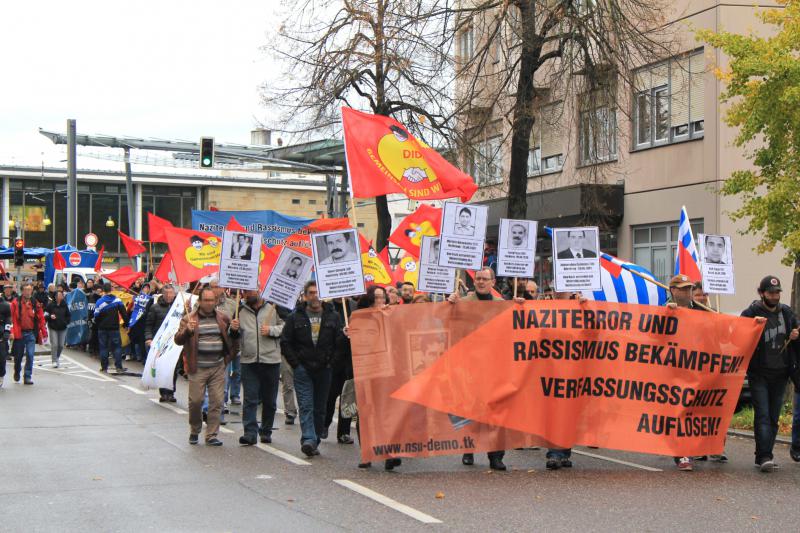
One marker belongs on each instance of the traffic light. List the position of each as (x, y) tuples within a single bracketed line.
[(206, 152), (19, 251)]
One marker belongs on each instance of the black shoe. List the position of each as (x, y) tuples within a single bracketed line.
[(193, 438), (205, 417), (16, 376), (315, 452), (214, 442), (389, 464), (495, 463), (28, 381), (553, 464), (246, 440), (794, 453), (365, 465), (104, 370), (289, 420), (468, 459), (226, 411), (121, 370), (162, 399), (566, 463), (324, 434), (345, 439), (171, 398), (307, 448), (223, 422), (266, 439)]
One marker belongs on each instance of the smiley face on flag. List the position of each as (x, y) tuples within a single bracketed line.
[(401, 155), (202, 252)]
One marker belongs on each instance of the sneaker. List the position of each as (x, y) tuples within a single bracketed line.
[(121, 370), (553, 464), (28, 381), (324, 434), (468, 459), (307, 448), (566, 463), (162, 399), (289, 420), (390, 464), (16, 376), (214, 441), (365, 465), (767, 465), (55, 365), (171, 398), (685, 464), (315, 452), (721, 458), (226, 411), (193, 439), (236, 401), (104, 370), (495, 463), (794, 453), (266, 439), (345, 439), (247, 440)]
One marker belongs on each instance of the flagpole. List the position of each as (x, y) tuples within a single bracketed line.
[(344, 311), (515, 287), (185, 306), (665, 287), (238, 299)]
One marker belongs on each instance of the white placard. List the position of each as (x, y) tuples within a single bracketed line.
[(163, 354), (462, 235), (516, 249), (432, 277), (238, 263), (716, 263), (337, 258), (285, 283), (576, 261)]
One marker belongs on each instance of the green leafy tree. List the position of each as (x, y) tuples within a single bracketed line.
[(763, 90)]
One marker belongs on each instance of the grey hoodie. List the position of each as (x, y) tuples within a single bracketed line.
[(255, 347)]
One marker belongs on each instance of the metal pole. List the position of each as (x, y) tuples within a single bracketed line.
[(343, 193), (72, 185), (129, 193)]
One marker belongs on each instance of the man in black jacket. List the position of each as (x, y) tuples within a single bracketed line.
[(58, 318), (109, 313), (309, 342), (5, 327), (769, 368), (156, 314)]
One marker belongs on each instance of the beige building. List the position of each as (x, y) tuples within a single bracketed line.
[(664, 146)]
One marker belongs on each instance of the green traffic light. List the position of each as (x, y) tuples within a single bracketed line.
[(206, 161)]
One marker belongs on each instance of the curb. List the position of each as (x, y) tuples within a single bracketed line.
[(749, 435)]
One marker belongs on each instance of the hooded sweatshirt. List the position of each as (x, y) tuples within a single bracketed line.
[(771, 360)]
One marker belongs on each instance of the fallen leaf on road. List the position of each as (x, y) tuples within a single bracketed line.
[(754, 517), (531, 471), (290, 499), (97, 478), (440, 495), (720, 499)]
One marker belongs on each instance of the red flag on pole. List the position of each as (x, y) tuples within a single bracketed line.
[(164, 271), (158, 227), (124, 277), (133, 247), (195, 254), (425, 221), (59, 263), (98, 266), (384, 158)]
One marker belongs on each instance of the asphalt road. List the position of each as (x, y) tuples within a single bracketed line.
[(81, 451)]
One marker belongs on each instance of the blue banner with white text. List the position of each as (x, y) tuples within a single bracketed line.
[(274, 226)]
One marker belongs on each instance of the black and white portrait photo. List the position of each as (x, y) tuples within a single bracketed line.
[(242, 247), (576, 243), (338, 247), (465, 222), (714, 249)]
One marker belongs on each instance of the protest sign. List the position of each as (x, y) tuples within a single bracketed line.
[(164, 353), (241, 255), (716, 263), (78, 327), (561, 373), (576, 261), (516, 248), (463, 234), (337, 259), (432, 277), (286, 281)]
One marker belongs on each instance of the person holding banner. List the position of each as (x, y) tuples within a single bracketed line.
[(259, 328), (309, 342), (770, 366), (109, 312), (208, 347), (58, 318), (156, 314)]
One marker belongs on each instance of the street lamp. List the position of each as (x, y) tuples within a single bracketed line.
[(47, 220), (110, 222), (12, 224)]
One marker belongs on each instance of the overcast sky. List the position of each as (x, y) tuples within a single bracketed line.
[(168, 69)]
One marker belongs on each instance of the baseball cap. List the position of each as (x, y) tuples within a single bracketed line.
[(770, 283), (680, 281)]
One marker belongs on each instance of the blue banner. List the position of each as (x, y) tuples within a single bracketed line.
[(273, 225), (139, 308), (78, 328)]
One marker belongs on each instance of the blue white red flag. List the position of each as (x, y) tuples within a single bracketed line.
[(686, 262)]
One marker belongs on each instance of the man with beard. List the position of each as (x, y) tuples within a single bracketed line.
[(407, 292)]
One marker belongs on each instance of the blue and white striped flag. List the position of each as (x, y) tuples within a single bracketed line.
[(623, 286)]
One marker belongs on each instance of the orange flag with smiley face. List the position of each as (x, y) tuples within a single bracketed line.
[(195, 254)]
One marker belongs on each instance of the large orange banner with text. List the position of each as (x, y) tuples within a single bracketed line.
[(437, 379)]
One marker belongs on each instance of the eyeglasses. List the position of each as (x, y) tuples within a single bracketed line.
[(482, 279)]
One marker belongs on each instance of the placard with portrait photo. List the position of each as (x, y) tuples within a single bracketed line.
[(240, 259), (337, 259), (576, 261), (286, 281), (716, 263), (463, 234), (516, 249), (432, 277)]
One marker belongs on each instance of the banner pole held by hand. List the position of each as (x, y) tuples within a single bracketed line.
[(344, 310), (515, 287), (238, 299)]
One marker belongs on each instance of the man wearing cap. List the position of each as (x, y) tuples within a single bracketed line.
[(769, 368)]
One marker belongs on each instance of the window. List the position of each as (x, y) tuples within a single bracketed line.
[(360, 225), (546, 152), (669, 101), (295, 201), (485, 166), (597, 134), (655, 247), (312, 202), (466, 44)]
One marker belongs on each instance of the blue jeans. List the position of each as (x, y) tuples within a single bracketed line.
[(261, 383), (767, 404), (796, 422), (27, 346), (233, 379), (109, 340), (557, 453), (311, 387)]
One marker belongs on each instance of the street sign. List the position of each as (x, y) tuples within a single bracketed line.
[(90, 240), (75, 259)]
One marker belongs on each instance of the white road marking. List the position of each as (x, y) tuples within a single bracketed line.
[(618, 461), (103, 377), (388, 502), (283, 455), (79, 374), (168, 406), (133, 389)]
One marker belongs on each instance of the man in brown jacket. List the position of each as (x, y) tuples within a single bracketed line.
[(208, 347)]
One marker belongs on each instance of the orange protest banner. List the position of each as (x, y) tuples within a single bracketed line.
[(439, 379)]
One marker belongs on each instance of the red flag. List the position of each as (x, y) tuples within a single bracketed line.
[(195, 254), (425, 221), (164, 272), (98, 265), (158, 228), (269, 256), (300, 239), (58, 260), (124, 277), (133, 247), (383, 158), (407, 269), (376, 271)]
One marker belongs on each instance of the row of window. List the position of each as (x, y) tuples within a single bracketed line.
[(667, 108)]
